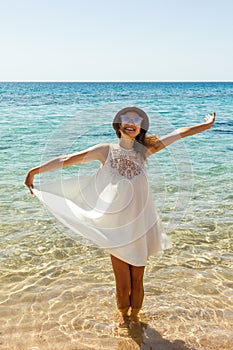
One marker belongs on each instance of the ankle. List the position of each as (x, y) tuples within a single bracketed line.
[(134, 312), (124, 311)]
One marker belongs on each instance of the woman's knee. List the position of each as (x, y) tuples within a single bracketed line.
[(123, 289), (137, 284), (137, 279)]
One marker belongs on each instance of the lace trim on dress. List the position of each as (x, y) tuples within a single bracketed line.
[(128, 163)]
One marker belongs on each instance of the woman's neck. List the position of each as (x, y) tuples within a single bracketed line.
[(126, 143)]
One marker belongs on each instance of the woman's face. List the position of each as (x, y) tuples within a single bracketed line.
[(130, 124)]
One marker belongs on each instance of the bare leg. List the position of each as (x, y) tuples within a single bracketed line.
[(123, 286), (137, 291), (129, 288)]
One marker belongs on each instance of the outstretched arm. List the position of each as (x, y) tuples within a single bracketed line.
[(181, 133), (98, 152)]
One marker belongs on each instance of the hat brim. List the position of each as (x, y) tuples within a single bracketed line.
[(140, 112)]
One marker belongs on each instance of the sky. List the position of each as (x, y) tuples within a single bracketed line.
[(116, 40)]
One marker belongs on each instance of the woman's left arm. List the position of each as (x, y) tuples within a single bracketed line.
[(195, 129), (181, 133)]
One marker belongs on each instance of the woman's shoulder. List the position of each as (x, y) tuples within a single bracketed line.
[(103, 151), (100, 147), (96, 152)]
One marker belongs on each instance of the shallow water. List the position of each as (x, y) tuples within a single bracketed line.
[(57, 293)]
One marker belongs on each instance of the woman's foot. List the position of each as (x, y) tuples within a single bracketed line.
[(134, 319), (134, 322), (123, 321)]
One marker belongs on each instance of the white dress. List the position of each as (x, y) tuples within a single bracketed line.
[(113, 207)]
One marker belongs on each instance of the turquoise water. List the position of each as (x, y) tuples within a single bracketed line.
[(56, 291)]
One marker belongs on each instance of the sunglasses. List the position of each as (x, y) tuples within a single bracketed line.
[(135, 120)]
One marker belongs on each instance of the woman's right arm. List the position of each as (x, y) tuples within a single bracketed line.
[(98, 152)]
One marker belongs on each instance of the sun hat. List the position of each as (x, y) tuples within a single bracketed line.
[(140, 112)]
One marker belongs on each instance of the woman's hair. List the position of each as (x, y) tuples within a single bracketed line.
[(143, 141)]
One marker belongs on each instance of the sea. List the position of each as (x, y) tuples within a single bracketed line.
[(59, 293)]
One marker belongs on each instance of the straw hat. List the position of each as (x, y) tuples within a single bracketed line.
[(140, 112)]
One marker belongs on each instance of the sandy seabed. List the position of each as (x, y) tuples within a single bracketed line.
[(61, 319)]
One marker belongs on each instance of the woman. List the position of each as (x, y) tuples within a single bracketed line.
[(114, 206)]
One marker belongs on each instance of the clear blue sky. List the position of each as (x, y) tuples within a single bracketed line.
[(116, 40)]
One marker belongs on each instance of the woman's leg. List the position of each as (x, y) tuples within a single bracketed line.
[(123, 286), (129, 287), (123, 282), (137, 290)]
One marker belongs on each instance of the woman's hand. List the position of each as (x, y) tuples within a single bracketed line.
[(210, 119), (29, 181)]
